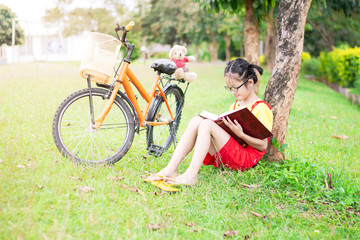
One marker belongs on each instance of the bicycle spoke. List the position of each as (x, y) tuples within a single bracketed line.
[(78, 145)]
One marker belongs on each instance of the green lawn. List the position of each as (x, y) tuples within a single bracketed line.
[(38, 191)]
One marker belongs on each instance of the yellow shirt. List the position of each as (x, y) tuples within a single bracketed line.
[(261, 112)]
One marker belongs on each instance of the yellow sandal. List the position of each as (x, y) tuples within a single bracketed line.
[(165, 186)]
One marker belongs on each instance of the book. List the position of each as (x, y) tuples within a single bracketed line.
[(250, 124)]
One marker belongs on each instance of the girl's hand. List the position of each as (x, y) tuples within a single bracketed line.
[(234, 126)]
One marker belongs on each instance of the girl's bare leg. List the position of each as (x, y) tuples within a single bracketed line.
[(185, 145), (209, 137)]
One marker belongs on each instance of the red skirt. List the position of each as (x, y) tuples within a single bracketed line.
[(233, 155)]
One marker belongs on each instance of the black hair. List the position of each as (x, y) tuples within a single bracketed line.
[(244, 69)]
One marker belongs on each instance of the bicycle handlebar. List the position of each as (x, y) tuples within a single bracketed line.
[(125, 31), (129, 26)]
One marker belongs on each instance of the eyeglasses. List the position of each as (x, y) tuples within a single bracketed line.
[(235, 89)]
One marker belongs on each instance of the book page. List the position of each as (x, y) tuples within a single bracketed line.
[(229, 112), (208, 115)]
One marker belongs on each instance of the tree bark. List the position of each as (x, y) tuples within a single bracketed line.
[(270, 43), (213, 48), (227, 40), (251, 34), (281, 88)]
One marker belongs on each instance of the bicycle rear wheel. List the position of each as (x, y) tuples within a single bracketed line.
[(159, 138), (75, 138)]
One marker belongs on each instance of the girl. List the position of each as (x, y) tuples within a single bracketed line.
[(212, 145)]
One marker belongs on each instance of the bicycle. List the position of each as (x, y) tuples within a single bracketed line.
[(84, 139)]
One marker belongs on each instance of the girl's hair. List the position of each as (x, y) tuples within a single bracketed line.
[(244, 69)]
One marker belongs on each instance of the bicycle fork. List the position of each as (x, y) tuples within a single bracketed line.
[(91, 102)]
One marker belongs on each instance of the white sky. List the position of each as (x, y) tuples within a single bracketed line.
[(29, 10), (34, 10)]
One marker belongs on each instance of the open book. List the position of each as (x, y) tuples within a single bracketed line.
[(250, 124)]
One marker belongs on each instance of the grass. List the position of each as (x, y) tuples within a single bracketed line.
[(38, 191)]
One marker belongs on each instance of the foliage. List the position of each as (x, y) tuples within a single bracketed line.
[(305, 56), (262, 60), (168, 22), (6, 16), (331, 24), (311, 66), (341, 66), (261, 7), (306, 180)]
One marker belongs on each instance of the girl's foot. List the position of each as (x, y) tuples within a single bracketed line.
[(162, 175), (184, 179)]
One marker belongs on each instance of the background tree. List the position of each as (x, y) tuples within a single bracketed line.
[(255, 11), (169, 22), (6, 17), (270, 42), (232, 30), (281, 88), (331, 23)]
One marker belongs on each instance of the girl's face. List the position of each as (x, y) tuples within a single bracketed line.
[(233, 80)]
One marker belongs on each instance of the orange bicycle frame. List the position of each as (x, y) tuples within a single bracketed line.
[(125, 77)]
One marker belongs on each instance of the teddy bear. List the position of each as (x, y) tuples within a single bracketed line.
[(177, 55)]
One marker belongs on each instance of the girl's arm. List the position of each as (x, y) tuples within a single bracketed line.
[(259, 144)]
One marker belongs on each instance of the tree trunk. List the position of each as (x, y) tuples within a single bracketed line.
[(227, 40), (242, 49), (213, 48), (270, 43), (281, 88), (251, 34)]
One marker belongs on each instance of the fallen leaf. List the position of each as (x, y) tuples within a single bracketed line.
[(40, 187), (115, 178), (330, 181), (256, 214), (75, 178), (133, 189), (153, 227), (190, 224), (230, 233), (333, 117), (84, 189), (340, 136)]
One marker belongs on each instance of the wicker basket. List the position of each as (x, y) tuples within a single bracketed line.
[(100, 53)]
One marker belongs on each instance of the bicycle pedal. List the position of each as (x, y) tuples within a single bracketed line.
[(155, 150)]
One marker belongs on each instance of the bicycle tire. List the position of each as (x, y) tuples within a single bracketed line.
[(161, 135), (116, 130)]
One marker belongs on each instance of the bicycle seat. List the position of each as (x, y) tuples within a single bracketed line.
[(164, 66)]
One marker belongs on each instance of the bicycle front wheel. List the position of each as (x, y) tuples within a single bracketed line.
[(77, 140), (159, 138)]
